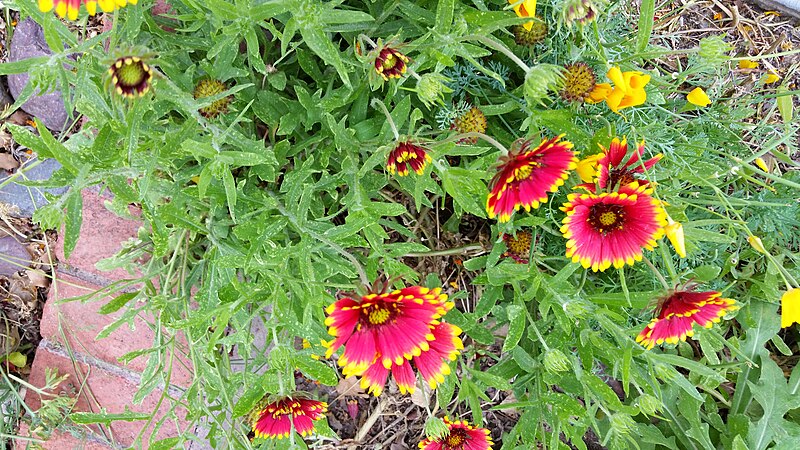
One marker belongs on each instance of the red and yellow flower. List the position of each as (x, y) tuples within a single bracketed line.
[(526, 175), (70, 8), (676, 315), (407, 157), (131, 76), (612, 173), (460, 436), (612, 228), (386, 332), (390, 63), (277, 418)]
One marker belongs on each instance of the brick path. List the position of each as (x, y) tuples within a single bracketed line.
[(96, 376)]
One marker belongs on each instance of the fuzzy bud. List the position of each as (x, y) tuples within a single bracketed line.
[(713, 51), (556, 361), (436, 429), (648, 404), (431, 89), (622, 424), (580, 11), (541, 79)]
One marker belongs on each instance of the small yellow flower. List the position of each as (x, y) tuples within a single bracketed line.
[(674, 232), (587, 168), (771, 77), (628, 89), (762, 164), (748, 64), (790, 307), (698, 97), (757, 245), (599, 93), (524, 8)]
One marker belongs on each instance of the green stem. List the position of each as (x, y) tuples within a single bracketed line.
[(499, 47), (446, 252), (380, 105), (476, 134), (657, 273)]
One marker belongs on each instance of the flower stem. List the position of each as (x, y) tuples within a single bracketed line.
[(657, 273), (476, 134), (377, 103), (446, 252), (499, 47)]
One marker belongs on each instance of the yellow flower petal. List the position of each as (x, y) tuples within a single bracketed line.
[(599, 93), (756, 243), (762, 164), (674, 232), (45, 5), (771, 77), (698, 97), (587, 167), (748, 64), (616, 77), (790, 307)]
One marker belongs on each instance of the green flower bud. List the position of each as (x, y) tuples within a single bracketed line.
[(556, 361), (431, 89), (713, 51), (436, 429), (648, 404), (540, 80), (622, 424), (664, 373)]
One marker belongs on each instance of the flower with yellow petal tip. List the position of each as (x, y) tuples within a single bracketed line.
[(790, 307), (698, 97), (407, 157), (70, 8), (524, 8), (131, 76), (460, 436), (587, 167), (277, 418), (748, 64), (674, 232), (628, 89), (676, 315), (771, 77)]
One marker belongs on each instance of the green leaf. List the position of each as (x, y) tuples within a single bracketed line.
[(74, 216), (785, 102), (647, 12), (490, 379), (321, 44), (117, 302), (466, 188), (254, 393), (166, 444), (106, 418), (517, 322), (444, 15), (317, 370)]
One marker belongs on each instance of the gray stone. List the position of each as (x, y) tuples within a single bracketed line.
[(29, 199), (13, 256), (28, 42)]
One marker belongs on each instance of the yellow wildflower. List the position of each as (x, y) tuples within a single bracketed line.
[(599, 93), (756, 243), (748, 64), (674, 232), (587, 167), (762, 164), (790, 307), (628, 89), (524, 8), (771, 77), (698, 97)]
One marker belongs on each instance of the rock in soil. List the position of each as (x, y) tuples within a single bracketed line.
[(28, 42)]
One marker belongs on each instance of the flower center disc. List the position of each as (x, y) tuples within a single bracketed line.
[(623, 177), (606, 218), (131, 73), (456, 439), (377, 314), (523, 172), (388, 62)]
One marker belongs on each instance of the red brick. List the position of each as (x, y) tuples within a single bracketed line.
[(80, 322), (98, 388), (102, 233), (60, 440)]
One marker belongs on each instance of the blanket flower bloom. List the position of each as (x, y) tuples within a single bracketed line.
[(390, 63), (275, 419), (519, 246), (405, 156), (790, 307), (526, 175), (628, 89), (524, 8), (70, 8), (460, 436), (612, 228), (386, 332), (613, 173), (677, 313), (131, 76)]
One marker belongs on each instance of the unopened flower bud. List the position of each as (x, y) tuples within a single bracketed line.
[(431, 89), (436, 429), (648, 404), (556, 361), (757, 245), (622, 424)]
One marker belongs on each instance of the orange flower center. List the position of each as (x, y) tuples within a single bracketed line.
[(519, 244), (606, 218), (456, 439)]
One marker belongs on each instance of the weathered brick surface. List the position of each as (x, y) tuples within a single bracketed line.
[(77, 324), (101, 236), (97, 388), (60, 440)]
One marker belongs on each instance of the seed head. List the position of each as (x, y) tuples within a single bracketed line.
[(579, 81), (210, 87)]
